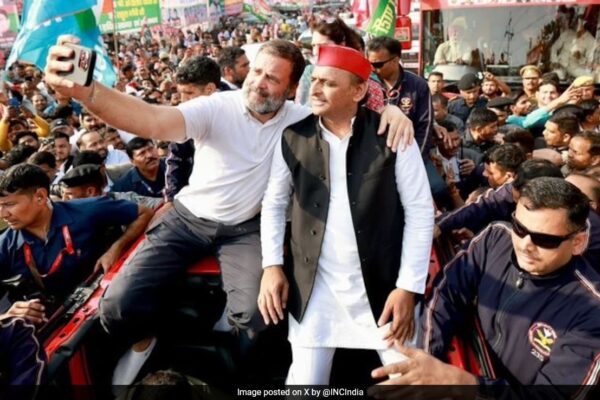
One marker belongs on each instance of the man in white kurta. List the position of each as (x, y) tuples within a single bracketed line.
[(338, 313)]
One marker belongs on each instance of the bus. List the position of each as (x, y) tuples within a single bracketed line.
[(501, 36)]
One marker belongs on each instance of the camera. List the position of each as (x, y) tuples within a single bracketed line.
[(84, 62)]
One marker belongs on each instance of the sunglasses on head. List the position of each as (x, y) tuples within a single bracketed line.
[(380, 64), (543, 240)]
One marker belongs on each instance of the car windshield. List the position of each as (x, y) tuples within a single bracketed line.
[(503, 39)]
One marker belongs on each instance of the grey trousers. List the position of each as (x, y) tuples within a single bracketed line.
[(135, 300)]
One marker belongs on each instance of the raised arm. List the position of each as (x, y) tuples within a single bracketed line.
[(117, 109)]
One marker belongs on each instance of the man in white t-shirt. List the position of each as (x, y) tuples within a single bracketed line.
[(235, 134)]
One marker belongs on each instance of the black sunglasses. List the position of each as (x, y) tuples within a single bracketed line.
[(543, 240), (380, 64)]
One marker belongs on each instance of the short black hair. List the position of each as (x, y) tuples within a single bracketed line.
[(127, 67), (393, 46), (481, 117), (86, 113), (569, 110), (522, 137), (23, 134), (532, 169), (199, 71), (436, 73), (61, 135), (229, 57), (42, 157), (23, 178), (438, 98), (87, 157), (517, 95), (135, 144), (18, 154), (567, 124), (62, 111), (556, 193), (506, 156), (588, 106), (594, 139), (448, 125)]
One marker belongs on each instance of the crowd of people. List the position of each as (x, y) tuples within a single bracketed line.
[(202, 151)]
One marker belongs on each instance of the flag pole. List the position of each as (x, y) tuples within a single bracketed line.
[(115, 42)]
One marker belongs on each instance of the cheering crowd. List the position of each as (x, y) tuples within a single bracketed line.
[(199, 149)]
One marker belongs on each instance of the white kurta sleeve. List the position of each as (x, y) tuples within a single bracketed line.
[(274, 208), (415, 195)]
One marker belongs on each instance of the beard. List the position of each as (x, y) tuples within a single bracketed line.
[(267, 105), (103, 153)]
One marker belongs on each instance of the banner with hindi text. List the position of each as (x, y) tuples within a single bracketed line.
[(129, 15)]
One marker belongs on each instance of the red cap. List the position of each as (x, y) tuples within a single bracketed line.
[(344, 58)]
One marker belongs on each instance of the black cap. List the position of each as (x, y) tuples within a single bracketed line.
[(84, 174), (468, 82), (58, 123), (500, 102)]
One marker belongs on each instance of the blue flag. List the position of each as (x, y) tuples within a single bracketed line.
[(36, 12), (45, 20)]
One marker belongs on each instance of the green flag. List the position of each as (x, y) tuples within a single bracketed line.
[(383, 20)]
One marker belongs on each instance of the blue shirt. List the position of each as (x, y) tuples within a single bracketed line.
[(133, 181), (87, 221), (74, 105), (459, 108)]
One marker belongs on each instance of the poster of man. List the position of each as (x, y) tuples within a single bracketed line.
[(9, 23)]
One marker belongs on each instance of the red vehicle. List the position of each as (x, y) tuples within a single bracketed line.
[(81, 356), (501, 36)]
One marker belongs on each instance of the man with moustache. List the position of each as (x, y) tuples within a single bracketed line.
[(534, 295), (356, 268), (147, 177), (235, 133)]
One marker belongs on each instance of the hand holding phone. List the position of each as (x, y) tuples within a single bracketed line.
[(84, 62)]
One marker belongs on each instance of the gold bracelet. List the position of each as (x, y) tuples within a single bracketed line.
[(90, 97)]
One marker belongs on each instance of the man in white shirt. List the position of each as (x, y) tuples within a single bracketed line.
[(361, 226), (235, 134), (93, 141)]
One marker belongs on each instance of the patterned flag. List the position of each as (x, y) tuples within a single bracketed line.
[(362, 10), (44, 21), (262, 8), (383, 20), (255, 11)]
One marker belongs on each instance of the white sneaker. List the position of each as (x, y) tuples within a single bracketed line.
[(130, 364)]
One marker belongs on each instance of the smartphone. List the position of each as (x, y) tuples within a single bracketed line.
[(47, 141), (84, 62)]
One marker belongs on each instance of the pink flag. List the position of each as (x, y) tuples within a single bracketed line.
[(362, 10)]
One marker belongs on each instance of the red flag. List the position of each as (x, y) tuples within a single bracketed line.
[(107, 6)]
